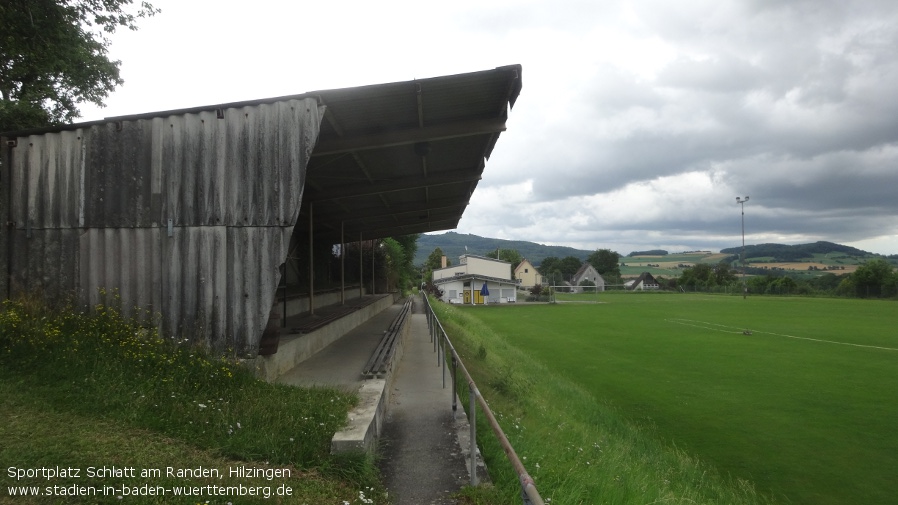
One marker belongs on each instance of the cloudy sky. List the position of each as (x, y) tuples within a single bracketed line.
[(639, 122)]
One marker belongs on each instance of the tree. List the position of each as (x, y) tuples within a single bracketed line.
[(874, 278), (723, 274), (54, 54), (399, 251), (699, 275), (435, 260), (548, 265), (606, 262), (510, 255), (559, 269)]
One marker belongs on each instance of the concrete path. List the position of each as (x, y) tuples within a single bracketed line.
[(419, 453), (421, 458)]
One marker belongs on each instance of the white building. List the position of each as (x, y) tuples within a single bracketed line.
[(476, 280)]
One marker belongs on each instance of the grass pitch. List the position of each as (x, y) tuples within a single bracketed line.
[(797, 395)]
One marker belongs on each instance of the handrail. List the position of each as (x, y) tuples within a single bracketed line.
[(529, 493)]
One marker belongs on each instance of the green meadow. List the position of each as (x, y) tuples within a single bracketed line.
[(767, 399), (95, 394)]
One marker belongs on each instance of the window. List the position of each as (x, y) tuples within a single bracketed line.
[(453, 293), (526, 270)]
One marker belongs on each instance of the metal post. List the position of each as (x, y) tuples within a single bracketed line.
[(361, 262), (285, 294), (443, 361), (342, 263), (741, 202), (454, 384), (472, 420), (311, 266)]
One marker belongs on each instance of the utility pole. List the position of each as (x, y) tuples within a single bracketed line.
[(741, 202)]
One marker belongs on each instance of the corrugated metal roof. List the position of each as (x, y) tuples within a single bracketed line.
[(405, 157), (189, 213)]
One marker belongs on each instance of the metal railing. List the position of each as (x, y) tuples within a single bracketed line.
[(441, 344)]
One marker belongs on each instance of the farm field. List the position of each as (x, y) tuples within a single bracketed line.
[(804, 407), (667, 265)]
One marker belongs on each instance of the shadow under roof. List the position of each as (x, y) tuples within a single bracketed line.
[(401, 158)]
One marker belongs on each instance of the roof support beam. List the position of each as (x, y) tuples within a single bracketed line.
[(397, 210), (387, 186), (408, 136)]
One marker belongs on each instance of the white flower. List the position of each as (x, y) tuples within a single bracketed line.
[(200, 405)]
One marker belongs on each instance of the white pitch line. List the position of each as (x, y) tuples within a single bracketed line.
[(719, 327)]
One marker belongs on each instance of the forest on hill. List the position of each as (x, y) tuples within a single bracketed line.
[(787, 253), (453, 245)]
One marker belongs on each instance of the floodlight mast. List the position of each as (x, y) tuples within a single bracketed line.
[(741, 202)]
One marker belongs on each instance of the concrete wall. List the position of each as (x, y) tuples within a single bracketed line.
[(294, 349)]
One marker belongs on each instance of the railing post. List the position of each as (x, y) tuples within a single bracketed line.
[(472, 420), (454, 384), (444, 365), (524, 498)]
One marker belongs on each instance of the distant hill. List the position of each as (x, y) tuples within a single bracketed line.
[(453, 245), (786, 253)]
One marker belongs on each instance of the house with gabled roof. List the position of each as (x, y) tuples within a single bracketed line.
[(527, 275), (587, 272), (644, 282)]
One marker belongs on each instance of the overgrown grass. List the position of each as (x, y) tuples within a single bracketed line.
[(576, 446), (92, 390), (800, 409)]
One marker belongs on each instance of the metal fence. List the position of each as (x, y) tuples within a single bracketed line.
[(441, 346)]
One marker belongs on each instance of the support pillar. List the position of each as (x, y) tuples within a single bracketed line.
[(361, 249), (311, 265)]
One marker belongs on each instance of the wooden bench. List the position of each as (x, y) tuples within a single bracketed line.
[(381, 359)]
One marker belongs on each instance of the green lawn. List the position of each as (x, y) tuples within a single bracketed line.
[(804, 407)]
